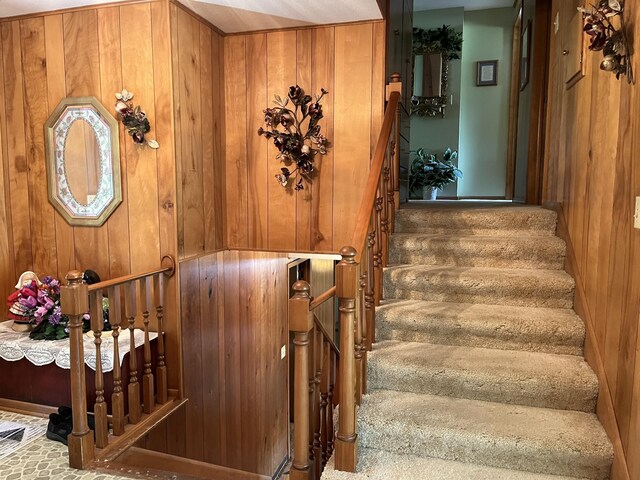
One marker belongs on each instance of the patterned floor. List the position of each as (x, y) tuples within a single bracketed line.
[(42, 459)]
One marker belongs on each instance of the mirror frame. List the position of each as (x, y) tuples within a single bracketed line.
[(434, 106), (52, 178)]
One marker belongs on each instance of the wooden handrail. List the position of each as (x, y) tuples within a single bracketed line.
[(168, 268), (323, 297), (369, 196), (326, 335)]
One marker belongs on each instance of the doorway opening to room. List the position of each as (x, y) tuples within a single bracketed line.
[(477, 106)]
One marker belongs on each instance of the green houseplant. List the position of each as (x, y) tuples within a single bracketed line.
[(428, 172)]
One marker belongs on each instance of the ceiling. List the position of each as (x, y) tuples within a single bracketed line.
[(419, 5), (235, 15)]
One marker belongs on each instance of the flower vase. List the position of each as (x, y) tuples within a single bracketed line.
[(429, 193)]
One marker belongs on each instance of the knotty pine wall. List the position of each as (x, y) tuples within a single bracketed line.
[(348, 61), (87, 52), (234, 308), (593, 171)]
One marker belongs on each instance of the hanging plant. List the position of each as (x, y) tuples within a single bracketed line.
[(134, 119), (296, 135), (605, 37)]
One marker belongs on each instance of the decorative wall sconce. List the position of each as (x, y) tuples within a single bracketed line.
[(607, 38), (133, 118)]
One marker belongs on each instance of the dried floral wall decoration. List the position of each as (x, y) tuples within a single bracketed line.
[(604, 23), (296, 135), (134, 119)]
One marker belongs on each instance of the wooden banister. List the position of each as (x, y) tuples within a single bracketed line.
[(143, 293), (323, 297)]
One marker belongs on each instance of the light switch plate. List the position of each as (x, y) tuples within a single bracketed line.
[(636, 216), (283, 352)]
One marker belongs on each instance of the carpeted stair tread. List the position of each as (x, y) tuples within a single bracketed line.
[(519, 220), (381, 465), (513, 377), (496, 286), (538, 440), (528, 251), (477, 325)]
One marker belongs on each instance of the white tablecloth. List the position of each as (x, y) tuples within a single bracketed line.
[(15, 346)]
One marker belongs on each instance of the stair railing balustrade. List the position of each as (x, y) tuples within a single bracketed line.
[(133, 299), (325, 377)]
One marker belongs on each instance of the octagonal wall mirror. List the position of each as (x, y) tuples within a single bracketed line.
[(83, 161)]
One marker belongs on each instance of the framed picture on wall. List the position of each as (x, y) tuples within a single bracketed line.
[(525, 53), (487, 73)]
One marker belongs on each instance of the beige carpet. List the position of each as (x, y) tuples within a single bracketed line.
[(478, 371)]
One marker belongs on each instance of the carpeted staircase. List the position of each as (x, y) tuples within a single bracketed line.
[(478, 371)]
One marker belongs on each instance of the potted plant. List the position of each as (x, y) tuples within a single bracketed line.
[(429, 174)]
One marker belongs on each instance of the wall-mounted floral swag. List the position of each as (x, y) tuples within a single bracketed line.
[(133, 118), (605, 37), (298, 139)]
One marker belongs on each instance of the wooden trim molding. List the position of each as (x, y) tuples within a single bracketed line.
[(605, 407), (26, 408)]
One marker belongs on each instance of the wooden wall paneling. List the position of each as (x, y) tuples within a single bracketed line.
[(190, 303), (209, 296), (323, 55), (235, 88), (259, 165), (206, 112), (248, 322), (56, 91), (219, 168), (142, 185), (110, 48), (304, 198), (82, 73), (36, 113), (166, 180), (7, 269), (221, 446), (352, 130), (189, 161), (378, 83), (15, 152), (232, 348), (282, 204)]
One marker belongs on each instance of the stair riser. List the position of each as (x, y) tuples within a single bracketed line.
[(510, 453), (498, 339), (496, 222), (474, 253), (533, 392), (434, 289)]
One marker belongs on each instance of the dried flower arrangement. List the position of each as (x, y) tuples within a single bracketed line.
[(294, 144), (133, 118), (605, 37)]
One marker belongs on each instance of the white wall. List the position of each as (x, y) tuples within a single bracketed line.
[(484, 111)]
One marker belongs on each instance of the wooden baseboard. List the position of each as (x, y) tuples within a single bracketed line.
[(25, 408), (605, 409)]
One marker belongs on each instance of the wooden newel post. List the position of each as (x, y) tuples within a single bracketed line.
[(301, 324), (74, 302), (347, 284), (396, 86)]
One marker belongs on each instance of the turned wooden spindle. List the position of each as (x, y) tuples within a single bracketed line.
[(357, 340), (347, 290), (384, 214), (301, 324), (377, 251), (147, 377), (317, 416), (361, 338), (324, 400), (117, 397), (100, 407), (74, 302), (369, 295), (161, 369), (134, 385), (333, 369), (391, 207)]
